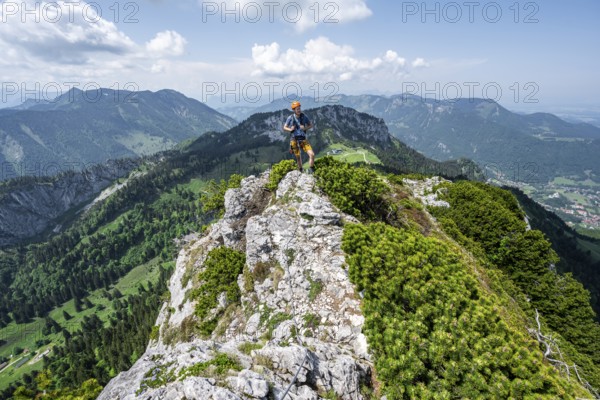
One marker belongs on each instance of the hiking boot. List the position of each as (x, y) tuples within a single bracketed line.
[(311, 170), (301, 170)]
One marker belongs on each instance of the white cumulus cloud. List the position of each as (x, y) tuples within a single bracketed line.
[(320, 58), (167, 43), (420, 63), (46, 43), (392, 56), (59, 32)]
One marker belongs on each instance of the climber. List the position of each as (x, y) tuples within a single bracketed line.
[(297, 124)]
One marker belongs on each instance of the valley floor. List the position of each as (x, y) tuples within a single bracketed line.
[(575, 202)]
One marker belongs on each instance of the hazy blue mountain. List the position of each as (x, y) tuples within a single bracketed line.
[(531, 148), (587, 114), (29, 103), (81, 128), (240, 113)]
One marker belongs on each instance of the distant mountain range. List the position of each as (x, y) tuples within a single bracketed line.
[(31, 206), (532, 148), (577, 115), (259, 141), (82, 128)]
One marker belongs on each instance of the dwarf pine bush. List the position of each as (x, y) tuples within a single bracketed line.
[(434, 333), (355, 190)]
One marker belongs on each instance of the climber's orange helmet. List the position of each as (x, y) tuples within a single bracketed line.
[(295, 104)]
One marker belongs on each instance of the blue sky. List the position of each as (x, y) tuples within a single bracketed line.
[(527, 55)]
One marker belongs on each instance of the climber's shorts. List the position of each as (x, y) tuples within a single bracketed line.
[(295, 146)]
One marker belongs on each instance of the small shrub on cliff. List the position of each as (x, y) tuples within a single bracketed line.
[(278, 171), (214, 198), (221, 270), (357, 191)]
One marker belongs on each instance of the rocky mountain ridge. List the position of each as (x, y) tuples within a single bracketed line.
[(304, 306), (341, 121)]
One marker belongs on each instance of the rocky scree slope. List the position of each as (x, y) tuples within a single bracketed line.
[(303, 303)]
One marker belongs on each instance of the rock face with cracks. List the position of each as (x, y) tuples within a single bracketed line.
[(29, 209), (298, 314)]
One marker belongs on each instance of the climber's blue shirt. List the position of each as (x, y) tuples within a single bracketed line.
[(295, 122)]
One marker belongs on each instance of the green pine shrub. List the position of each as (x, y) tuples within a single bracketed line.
[(218, 366), (358, 191), (221, 270), (278, 171), (247, 347), (433, 331), (214, 198), (489, 222)]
